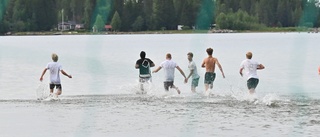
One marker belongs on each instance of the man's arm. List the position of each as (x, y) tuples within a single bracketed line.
[(260, 66), (203, 64), (220, 67), (43, 72), (186, 79), (191, 72), (241, 69), (64, 73), (137, 66), (156, 70), (182, 73)]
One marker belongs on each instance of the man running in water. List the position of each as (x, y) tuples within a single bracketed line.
[(193, 73), (144, 64), (55, 69), (169, 66), (210, 64), (251, 67)]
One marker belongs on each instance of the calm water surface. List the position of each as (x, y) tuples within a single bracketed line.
[(101, 98)]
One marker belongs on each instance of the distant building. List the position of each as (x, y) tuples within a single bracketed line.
[(79, 26), (108, 27), (70, 25)]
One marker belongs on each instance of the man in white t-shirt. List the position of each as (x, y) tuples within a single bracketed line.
[(169, 66), (54, 68), (251, 67), (193, 73)]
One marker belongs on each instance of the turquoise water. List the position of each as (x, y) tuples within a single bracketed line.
[(101, 99)]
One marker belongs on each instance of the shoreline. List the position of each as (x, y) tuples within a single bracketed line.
[(214, 31)]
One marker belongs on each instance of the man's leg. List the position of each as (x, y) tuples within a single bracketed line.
[(166, 86), (141, 86), (211, 86), (212, 78), (51, 91), (252, 91), (173, 86), (206, 86), (59, 90), (193, 89), (141, 80), (194, 84)]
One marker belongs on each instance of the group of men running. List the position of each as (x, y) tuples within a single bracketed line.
[(209, 63), (169, 66)]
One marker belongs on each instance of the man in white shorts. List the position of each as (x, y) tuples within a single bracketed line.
[(193, 73), (251, 67), (54, 68), (169, 66)]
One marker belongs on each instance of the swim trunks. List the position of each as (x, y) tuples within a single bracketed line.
[(144, 80), (252, 83), (195, 82), (209, 77), (58, 86), (168, 84)]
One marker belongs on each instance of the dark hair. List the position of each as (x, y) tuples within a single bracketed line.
[(143, 54), (209, 51), (190, 54)]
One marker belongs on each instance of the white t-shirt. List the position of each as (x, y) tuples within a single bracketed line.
[(250, 66), (169, 67), (54, 68), (192, 66)]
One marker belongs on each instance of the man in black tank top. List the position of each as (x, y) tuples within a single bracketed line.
[(144, 64)]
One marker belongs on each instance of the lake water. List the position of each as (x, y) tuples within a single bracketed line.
[(101, 99)]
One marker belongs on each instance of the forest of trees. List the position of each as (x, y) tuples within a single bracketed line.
[(141, 15)]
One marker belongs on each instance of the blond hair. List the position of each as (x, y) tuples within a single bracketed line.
[(54, 57), (168, 56), (249, 55)]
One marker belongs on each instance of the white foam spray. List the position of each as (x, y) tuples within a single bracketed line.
[(42, 92)]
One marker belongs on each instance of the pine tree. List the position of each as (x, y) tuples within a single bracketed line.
[(116, 22)]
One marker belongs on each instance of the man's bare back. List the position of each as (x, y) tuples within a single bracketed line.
[(210, 64)]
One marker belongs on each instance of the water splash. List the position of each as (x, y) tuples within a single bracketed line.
[(42, 91)]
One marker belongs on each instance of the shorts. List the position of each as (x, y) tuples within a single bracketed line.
[(58, 86), (144, 80), (195, 82), (168, 84), (252, 83), (209, 77)]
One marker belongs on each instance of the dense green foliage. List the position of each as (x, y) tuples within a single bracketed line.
[(141, 15)]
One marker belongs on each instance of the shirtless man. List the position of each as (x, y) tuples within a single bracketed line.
[(210, 64)]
